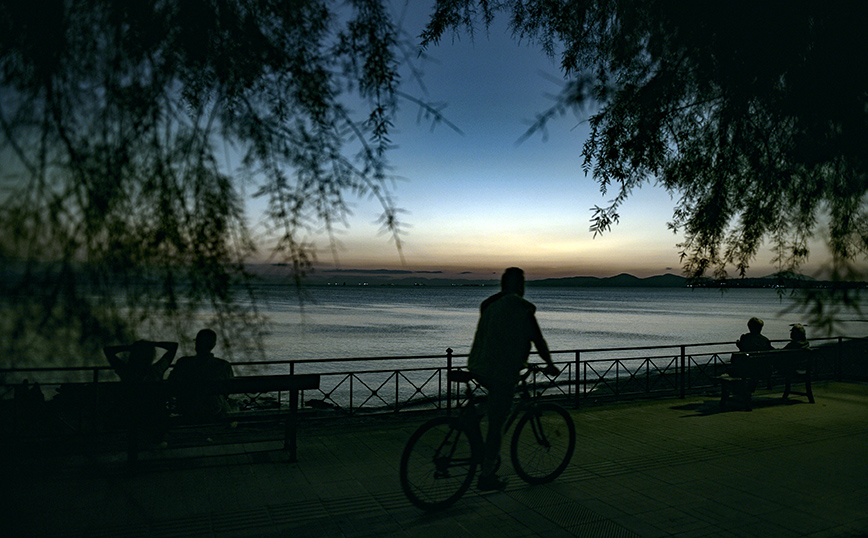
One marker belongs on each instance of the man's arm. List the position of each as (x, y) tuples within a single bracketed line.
[(543, 348), (111, 353), (227, 370), (163, 364)]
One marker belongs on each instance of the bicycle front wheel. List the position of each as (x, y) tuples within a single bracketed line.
[(438, 464), (543, 443)]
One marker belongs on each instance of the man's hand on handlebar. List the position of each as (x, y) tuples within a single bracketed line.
[(548, 369)]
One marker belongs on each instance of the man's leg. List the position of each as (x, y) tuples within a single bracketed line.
[(499, 403)]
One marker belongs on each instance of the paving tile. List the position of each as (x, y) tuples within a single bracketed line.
[(651, 469)]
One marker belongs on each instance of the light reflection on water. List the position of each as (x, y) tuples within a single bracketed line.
[(377, 322), (388, 322)]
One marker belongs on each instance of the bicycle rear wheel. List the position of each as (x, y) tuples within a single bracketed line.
[(543, 443), (438, 464)]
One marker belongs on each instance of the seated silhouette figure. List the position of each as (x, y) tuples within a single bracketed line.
[(754, 340), (192, 380), (142, 377), (798, 338), (29, 404)]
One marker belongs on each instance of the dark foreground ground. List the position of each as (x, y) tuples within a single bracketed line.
[(648, 469)]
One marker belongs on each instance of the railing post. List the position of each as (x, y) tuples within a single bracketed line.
[(291, 372), (617, 378), (647, 376), (95, 399), (683, 373), (579, 387), (290, 433), (448, 386), (838, 360)]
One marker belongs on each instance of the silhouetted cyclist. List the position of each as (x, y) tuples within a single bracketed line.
[(507, 327)]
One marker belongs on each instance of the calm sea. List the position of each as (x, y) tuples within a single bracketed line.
[(337, 322)]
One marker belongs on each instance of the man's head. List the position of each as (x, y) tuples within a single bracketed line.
[(755, 325), (205, 341), (797, 333), (512, 281), (142, 352)]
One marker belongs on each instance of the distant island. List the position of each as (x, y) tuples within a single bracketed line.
[(402, 278), (623, 280), (776, 280)]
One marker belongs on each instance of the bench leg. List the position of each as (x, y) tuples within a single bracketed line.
[(735, 389), (724, 393), (132, 446), (291, 431), (808, 389)]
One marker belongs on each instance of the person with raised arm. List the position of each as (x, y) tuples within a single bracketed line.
[(142, 377)]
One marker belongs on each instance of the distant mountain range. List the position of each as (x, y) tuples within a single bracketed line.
[(619, 281), (276, 274), (430, 279), (776, 280), (624, 280)]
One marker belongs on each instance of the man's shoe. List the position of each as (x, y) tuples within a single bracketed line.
[(491, 483)]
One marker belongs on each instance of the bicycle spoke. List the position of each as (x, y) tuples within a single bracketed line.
[(437, 466), (543, 443)]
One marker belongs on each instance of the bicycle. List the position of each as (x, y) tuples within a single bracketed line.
[(440, 459)]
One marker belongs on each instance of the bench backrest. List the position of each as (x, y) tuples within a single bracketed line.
[(753, 365), (267, 383), (760, 364)]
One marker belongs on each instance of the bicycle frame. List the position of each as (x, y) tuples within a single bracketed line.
[(471, 417), (445, 462)]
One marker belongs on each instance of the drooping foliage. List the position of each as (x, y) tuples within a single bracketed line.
[(132, 133), (753, 115)]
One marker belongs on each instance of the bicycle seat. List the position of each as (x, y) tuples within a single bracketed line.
[(460, 376)]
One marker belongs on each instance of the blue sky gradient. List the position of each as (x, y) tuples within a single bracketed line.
[(479, 201)]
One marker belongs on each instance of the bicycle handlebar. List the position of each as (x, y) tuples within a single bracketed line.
[(466, 376)]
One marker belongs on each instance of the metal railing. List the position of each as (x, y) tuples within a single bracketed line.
[(393, 384)]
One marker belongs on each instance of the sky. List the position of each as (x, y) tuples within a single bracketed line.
[(480, 201)]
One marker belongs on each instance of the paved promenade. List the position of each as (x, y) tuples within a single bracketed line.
[(648, 469)]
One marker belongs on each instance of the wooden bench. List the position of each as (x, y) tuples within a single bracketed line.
[(250, 385), (746, 370)]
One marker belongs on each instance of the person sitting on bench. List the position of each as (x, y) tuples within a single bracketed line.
[(142, 379), (753, 340), (798, 338), (192, 381)]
